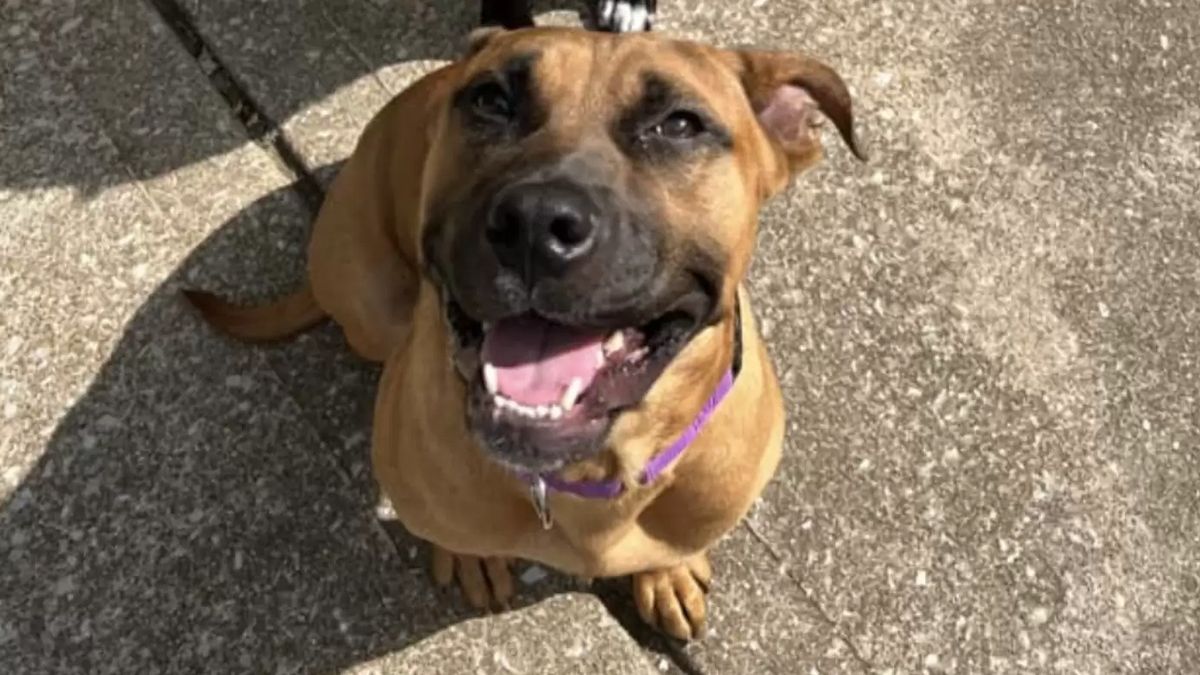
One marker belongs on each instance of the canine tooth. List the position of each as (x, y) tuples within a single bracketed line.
[(490, 378), (614, 343), (571, 395), (555, 412)]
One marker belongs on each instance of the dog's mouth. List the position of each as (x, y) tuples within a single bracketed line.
[(541, 394)]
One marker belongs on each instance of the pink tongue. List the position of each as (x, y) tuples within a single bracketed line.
[(536, 360)]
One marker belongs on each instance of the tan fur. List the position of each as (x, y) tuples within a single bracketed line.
[(364, 271)]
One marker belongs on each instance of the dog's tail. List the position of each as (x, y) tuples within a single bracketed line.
[(285, 317)]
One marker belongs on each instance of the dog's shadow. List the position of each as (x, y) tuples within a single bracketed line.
[(207, 506)]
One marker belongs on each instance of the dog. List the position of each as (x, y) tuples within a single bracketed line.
[(545, 243), (616, 16)]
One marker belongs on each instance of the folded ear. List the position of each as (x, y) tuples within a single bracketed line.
[(479, 38), (789, 92)]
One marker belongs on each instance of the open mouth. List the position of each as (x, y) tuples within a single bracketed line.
[(542, 394)]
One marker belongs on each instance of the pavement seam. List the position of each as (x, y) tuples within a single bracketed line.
[(809, 597), (259, 127)]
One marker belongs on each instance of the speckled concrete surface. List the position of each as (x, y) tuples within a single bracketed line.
[(987, 338), (530, 640)]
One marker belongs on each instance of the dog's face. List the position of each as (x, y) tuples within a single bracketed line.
[(590, 204)]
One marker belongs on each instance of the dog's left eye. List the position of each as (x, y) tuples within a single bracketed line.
[(679, 126), (490, 100)]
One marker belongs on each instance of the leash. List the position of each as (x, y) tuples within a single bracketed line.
[(541, 484)]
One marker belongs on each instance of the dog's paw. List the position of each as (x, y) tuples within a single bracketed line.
[(486, 583), (673, 599), (624, 16)]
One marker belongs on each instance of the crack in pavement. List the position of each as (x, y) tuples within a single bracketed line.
[(260, 128), (810, 597)]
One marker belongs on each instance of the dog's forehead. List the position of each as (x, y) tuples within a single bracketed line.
[(568, 68)]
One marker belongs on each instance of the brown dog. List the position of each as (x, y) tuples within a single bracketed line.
[(545, 242)]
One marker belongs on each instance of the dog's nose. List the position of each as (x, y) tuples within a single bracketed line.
[(542, 228)]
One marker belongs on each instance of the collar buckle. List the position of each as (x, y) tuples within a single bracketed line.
[(537, 497)]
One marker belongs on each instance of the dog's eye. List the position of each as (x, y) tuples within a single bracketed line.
[(490, 100), (679, 126)]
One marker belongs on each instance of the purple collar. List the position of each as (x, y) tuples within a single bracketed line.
[(539, 484)]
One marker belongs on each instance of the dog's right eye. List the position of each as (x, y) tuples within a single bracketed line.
[(489, 100)]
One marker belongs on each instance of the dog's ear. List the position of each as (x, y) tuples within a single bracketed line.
[(789, 92), (479, 38)]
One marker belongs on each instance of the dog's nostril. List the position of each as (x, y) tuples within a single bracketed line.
[(570, 231), (505, 229)]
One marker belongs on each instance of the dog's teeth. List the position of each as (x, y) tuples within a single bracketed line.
[(571, 395), (542, 411), (555, 412), (490, 378), (614, 343), (501, 402)]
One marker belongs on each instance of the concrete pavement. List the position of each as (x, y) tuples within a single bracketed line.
[(987, 338)]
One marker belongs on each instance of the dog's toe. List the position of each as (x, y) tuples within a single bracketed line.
[(673, 598), (485, 582)]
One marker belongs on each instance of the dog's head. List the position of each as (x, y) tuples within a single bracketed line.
[(590, 205)]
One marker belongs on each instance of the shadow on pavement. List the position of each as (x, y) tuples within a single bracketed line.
[(207, 506)]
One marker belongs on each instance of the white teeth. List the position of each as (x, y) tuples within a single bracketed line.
[(490, 377), (614, 343), (571, 395), (539, 412)]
